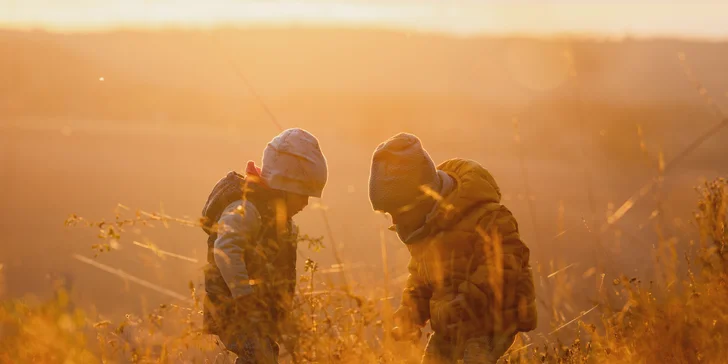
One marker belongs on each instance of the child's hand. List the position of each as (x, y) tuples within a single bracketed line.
[(401, 334), (404, 328)]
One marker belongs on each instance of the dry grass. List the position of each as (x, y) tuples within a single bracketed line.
[(679, 316)]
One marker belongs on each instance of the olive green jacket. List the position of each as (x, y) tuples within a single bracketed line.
[(469, 269)]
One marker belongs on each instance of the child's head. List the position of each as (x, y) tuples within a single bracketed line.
[(293, 163), (400, 168)]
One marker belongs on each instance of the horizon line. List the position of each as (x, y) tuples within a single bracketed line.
[(389, 28), (468, 18)]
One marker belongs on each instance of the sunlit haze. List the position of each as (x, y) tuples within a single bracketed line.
[(578, 212), (615, 18)]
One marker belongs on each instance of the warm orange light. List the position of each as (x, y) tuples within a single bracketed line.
[(679, 18)]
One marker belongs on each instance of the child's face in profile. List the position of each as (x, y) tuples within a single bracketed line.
[(295, 203), (407, 220)]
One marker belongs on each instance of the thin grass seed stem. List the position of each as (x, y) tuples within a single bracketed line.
[(158, 251), (524, 174), (685, 152), (560, 270), (386, 306), (238, 72), (128, 277), (575, 319), (335, 250)]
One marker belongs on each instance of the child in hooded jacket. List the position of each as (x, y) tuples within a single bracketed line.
[(469, 272)]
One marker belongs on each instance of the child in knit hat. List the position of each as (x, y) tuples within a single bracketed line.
[(469, 272), (251, 271)]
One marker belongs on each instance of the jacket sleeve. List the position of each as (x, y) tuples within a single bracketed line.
[(416, 295), (238, 227), (519, 294)]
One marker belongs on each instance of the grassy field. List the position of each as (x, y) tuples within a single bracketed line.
[(571, 129)]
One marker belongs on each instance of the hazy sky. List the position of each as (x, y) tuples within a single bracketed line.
[(685, 18)]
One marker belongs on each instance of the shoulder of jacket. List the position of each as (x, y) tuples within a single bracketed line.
[(245, 209), (452, 166)]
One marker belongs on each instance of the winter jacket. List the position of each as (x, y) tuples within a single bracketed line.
[(251, 256), (469, 271)]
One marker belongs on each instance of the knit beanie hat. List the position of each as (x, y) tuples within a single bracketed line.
[(293, 162), (400, 166)]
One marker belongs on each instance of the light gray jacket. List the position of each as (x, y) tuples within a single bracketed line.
[(239, 225)]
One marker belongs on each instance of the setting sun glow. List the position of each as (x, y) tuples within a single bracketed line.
[(614, 18)]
